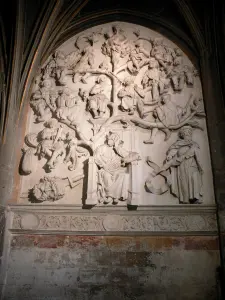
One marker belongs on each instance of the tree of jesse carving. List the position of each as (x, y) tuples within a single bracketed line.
[(133, 85)]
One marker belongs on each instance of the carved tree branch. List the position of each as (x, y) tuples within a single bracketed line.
[(148, 125), (78, 132)]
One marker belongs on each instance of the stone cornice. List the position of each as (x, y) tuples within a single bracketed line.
[(148, 221)]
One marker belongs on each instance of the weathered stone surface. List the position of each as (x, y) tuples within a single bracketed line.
[(132, 222), (84, 267)]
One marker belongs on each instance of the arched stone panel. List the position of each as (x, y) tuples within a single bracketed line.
[(117, 117)]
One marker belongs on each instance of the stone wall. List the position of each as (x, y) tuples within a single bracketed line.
[(112, 267), (179, 260)]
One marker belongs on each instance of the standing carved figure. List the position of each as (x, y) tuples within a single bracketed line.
[(57, 65), (151, 79), (183, 162), (113, 176), (177, 71)]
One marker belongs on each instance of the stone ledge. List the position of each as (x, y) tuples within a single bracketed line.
[(114, 221), (141, 209)]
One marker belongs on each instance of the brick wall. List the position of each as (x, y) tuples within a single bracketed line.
[(112, 267)]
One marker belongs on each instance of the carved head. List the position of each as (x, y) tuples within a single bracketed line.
[(112, 138), (185, 133)]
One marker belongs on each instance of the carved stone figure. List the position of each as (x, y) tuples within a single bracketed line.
[(129, 95), (139, 57), (51, 144), (162, 53), (39, 106), (127, 80), (57, 66), (97, 101), (64, 102), (185, 168), (116, 46), (176, 72), (72, 59), (85, 63), (73, 151), (166, 112), (151, 79), (49, 189), (54, 188), (113, 176), (41, 100), (159, 50)]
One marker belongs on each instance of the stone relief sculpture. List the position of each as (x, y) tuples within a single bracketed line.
[(115, 81), (53, 188), (183, 167), (113, 177), (97, 102)]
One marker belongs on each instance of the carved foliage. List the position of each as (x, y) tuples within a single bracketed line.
[(112, 78)]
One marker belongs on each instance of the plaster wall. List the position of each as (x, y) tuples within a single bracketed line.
[(112, 267)]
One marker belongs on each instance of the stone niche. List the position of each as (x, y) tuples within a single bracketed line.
[(116, 118)]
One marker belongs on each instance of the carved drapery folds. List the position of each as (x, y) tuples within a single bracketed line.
[(117, 117)]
